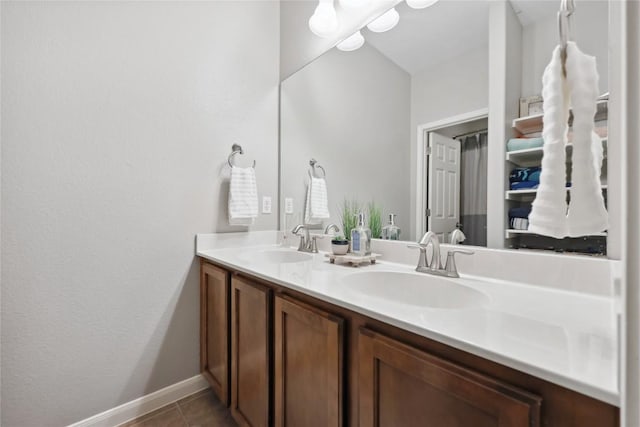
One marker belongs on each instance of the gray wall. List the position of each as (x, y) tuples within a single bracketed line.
[(456, 87), (591, 31), (350, 111), (117, 120)]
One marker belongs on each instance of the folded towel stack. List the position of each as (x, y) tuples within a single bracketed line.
[(524, 178), (316, 207), (522, 212), (519, 218), (243, 196), (516, 144), (519, 223)]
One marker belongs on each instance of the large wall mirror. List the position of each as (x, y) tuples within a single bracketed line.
[(418, 90)]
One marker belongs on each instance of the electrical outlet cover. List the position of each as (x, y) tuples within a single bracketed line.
[(266, 205), (288, 205)]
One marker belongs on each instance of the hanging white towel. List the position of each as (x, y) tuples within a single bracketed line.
[(587, 214), (316, 207), (243, 196), (549, 209)]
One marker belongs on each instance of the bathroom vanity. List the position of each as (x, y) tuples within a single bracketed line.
[(282, 344)]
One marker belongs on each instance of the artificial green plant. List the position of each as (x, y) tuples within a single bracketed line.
[(349, 216), (375, 219)]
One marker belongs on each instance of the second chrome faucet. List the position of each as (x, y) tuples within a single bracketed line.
[(307, 243), (434, 266)]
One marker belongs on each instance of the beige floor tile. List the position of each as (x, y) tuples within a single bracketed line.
[(205, 410), (167, 416), (194, 396)]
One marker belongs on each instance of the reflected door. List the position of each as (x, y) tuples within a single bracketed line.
[(444, 185)]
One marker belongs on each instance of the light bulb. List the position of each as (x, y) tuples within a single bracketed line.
[(384, 22), (324, 22), (354, 4), (420, 4), (353, 42)]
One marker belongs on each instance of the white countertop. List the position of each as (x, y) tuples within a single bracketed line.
[(567, 338)]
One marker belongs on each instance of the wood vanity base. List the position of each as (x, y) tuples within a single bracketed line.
[(305, 362)]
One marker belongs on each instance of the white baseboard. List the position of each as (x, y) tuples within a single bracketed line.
[(145, 404)]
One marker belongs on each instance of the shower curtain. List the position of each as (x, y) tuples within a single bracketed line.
[(473, 189)]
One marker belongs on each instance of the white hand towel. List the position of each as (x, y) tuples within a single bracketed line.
[(587, 213), (316, 206), (243, 196), (549, 209)]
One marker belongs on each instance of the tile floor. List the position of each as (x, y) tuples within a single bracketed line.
[(201, 409)]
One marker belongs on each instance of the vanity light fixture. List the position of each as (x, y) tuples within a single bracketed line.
[(353, 42), (384, 22), (324, 22), (354, 4), (420, 4)]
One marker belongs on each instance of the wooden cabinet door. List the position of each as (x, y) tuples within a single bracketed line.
[(250, 319), (214, 329), (401, 386), (308, 365)]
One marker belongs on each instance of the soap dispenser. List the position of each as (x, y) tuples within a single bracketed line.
[(391, 231), (361, 238)]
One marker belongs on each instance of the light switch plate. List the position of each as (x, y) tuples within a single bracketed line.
[(288, 205), (266, 205)]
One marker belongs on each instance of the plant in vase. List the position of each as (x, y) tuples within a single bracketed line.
[(339, 245), (375, 220), (348, 216)]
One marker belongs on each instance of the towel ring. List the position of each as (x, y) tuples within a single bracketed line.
[(237, 149), (314, 165)]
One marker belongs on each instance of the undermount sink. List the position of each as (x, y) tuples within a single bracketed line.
[(415, 289), (277, 256)]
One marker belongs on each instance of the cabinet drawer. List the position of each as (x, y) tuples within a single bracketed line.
[(402, 386)]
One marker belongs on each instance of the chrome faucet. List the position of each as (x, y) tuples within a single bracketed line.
[(434, 266), (331, 227), (457, 237), (429, 238), (307, 243)]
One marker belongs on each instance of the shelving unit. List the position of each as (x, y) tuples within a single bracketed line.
[(532, 126), (511, 233), (533, 123), (533, 156), (524, 195)]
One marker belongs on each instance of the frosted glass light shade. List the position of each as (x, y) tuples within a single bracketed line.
[(353, 42), (324, 22), (384, 22), (420, 4), (354, 4)]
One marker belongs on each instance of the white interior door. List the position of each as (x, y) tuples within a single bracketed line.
[(443, 196)]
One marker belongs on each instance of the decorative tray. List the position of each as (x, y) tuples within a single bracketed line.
[(352, 259)]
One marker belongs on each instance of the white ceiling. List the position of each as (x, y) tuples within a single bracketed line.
[(530, 11), (427, 37)]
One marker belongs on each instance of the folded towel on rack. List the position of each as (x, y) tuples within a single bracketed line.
[(515, 144), (519, 223), (525, 174), (317, 206), (243, 196), (587, 213), (522, 212), (525, 185)]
